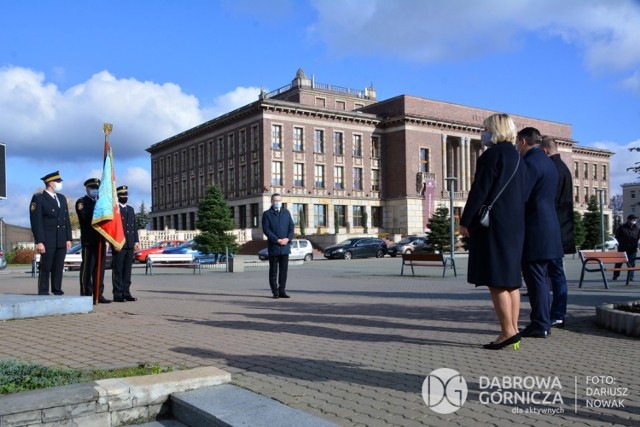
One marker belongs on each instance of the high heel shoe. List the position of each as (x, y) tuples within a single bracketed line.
[(514, 340)]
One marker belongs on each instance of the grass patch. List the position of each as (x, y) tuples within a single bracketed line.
[(16, 376)]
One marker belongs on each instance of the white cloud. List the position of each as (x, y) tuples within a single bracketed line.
[(230, 101)]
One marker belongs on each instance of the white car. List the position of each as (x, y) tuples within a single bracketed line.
[(300, 249), (611, 243)]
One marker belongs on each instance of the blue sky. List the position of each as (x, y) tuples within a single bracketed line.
[(154, 68)]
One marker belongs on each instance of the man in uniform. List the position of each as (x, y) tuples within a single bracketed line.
[(51, 229), (123, 259), (90, 271)]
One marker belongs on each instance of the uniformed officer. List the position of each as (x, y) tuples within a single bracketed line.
[(123, 259), (51, 229), (91, 240)]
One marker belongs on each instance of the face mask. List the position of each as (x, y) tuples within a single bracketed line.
[(57, 187), (633, 222), (93, 192), (485, 138), (123, 200), (277, 205)]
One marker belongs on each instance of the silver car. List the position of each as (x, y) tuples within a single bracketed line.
[(300, 249), (3, 261)]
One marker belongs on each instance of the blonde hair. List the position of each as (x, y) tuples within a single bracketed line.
[(502, 128)]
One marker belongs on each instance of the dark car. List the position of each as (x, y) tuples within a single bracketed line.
[(189, 248), (73, 259), (359, 247), (408, 245)]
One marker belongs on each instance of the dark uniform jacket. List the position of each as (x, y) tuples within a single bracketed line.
[(84, 208), (277, 226), (627, 236), (50, 224), (564, 204), (129, 225)]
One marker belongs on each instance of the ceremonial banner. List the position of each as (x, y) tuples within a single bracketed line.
[(106, 214)]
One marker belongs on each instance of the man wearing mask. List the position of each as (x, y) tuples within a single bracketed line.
[(123, 259), (627, 236), (277, 225), (51, 229), (90, 270)]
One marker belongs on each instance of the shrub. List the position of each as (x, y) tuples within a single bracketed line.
[(22, 256)]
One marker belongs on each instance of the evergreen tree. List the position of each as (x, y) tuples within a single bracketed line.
[(365, 221), (578, 229), (336, 220), (440, 230), (214, 220), (142, 217), (301, 221), (591, 225)]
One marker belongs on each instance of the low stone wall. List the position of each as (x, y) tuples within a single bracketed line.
[(623, 322), (105, 403)]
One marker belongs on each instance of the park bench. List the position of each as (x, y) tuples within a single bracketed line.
[(595, 261), (427, 259), (70, 260), (171, 260)]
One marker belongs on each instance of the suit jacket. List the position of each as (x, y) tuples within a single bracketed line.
[(542, 229), (129, 225), (50, 223), (277, 226), (84, 209), (564, 204)]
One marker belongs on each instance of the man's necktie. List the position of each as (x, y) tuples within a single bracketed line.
[(56, 199)]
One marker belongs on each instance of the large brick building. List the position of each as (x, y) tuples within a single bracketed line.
[(338, 154)]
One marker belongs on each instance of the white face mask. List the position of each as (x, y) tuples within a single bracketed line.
[(485, 138), (277, 205), (57, 187), (633, 222), (93, 192)]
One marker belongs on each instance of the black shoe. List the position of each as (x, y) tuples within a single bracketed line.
[(283, 295), (614, 278), (119, 299), (130, 298), (103, 300), (514, 340), (275, 296), (557, 323), (532, 332), (58, 293)]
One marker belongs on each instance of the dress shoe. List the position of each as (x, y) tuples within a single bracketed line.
[(130, 298), (283, 295), (532, 332), (103, 300), (557, 323), (119, 299), (275, 296), (614, 278), (514, 340), (58, 293)]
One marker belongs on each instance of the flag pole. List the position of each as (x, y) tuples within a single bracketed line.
[(106, 128)]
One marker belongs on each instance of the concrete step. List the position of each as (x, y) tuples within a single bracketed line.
[(228, 405), (24, 306)]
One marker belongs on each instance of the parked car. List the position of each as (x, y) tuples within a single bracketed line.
[(189, 248), (157, 248), (359, 247), (611, 243), (300, 249), (408, 245), (73, 259), (3, 261)]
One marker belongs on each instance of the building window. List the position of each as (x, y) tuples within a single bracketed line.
[(276, 174), (232, 180), (375, 180), (341, 210), (255, 212), (318, 176), (276, 137), (586, 170), (295, 213), (632, 194), (341, 105), (298, 139), (318, 141), (319, 215), (338, 177), (243, 142), (586, 194), (255, 138), (321, 102), (357, 216), (424, 160), (576, 170), (220, 147), (576, 194), (298, 174), (357, 145), (231, 143), (357, 178), (595, 171), (338, 143), (376, 216), (604, 172), (255, 174), (243, 177), (375, 147), (223, 188), (242, 212)]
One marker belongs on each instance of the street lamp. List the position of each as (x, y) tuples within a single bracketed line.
[(600, 192), (450, 260)]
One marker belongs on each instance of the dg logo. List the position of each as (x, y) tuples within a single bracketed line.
[(444, 391)]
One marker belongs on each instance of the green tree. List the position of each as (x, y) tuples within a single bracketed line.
[(301, 221), (365, 221), (578, 229), (440, 230), (214, 220), (142, 217), (336, 219), (591, 224)]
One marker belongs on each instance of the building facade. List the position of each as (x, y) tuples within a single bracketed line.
[(340, 158), (630, 200)]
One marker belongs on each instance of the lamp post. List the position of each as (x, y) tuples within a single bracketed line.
[(450, 181), (600, 192)]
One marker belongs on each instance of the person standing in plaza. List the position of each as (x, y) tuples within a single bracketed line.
[(495, 251), (51, 228), (564, 209), (123, 259), (91, 268), (627, 236), (543, 242), (277, 225)]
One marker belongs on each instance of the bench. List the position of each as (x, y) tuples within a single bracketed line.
[(594, 261), (171, 260), (426, 259)]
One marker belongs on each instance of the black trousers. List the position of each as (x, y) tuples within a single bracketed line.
[(278, 268), (89, 273), (121, 272), (51, 268)]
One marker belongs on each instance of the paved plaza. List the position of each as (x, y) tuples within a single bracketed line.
[(354, 343)]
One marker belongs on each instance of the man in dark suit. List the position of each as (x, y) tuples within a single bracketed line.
[(277, 225), (542, 242), (123, 259), (92, 268), (564, 209), (51, 229)]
